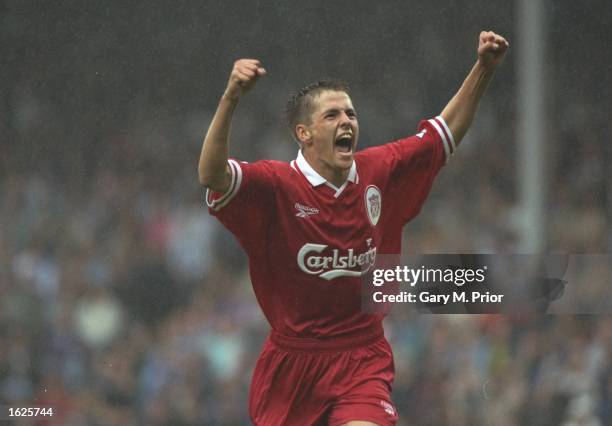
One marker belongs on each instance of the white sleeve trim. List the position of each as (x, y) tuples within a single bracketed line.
[(448, 133), (236, 172), (441, 133), (448, 142)]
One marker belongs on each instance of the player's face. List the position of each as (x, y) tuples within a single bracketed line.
[(334, 131)]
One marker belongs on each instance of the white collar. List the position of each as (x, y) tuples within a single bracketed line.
[(316, 179)]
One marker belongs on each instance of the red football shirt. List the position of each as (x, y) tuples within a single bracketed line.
[(309, 242)]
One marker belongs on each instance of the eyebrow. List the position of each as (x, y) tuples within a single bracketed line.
[(335, 110)]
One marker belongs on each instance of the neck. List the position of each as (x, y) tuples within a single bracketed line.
[(336, 177), (333, 175)]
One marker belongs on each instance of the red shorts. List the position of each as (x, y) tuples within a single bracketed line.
[(308, 382)]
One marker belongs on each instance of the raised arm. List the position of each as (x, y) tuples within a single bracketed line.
[(213, 171), (459, 112)]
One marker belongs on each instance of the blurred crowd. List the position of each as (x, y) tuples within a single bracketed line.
[(122, 301)]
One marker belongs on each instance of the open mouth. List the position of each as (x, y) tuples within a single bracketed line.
[(344, 143)]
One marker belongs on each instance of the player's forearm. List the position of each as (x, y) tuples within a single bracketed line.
[(460, 111), (213, 170)]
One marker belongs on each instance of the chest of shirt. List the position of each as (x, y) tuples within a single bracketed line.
[(319, 217)]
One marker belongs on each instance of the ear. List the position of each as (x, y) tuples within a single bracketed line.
[(302, 133)]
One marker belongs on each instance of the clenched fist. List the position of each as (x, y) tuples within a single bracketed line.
[(491, 49), (243, 77)]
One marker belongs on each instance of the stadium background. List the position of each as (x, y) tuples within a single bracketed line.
[(123, 302)]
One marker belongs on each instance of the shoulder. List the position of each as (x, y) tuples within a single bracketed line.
[(400, 149), (374, 155), (250, 182), (268, 167), (270, 173)]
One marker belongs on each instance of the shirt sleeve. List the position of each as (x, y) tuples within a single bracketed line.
[(412, 164), (247, 206)]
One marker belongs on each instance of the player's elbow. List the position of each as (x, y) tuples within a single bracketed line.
[(206, 179), (214, 182)]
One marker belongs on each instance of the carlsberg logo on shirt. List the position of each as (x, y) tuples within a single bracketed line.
[(334, 264)]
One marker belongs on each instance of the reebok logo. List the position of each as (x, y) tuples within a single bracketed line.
[(305, 211)]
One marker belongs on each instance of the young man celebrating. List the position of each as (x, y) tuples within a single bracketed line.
[(313, 226)]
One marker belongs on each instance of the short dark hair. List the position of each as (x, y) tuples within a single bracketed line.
[(301, 106)]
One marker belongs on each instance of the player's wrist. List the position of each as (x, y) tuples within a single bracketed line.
[(232, 96), (232, 93), (485, 65)]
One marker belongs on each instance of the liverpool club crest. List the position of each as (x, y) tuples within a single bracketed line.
[(373, 204)]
